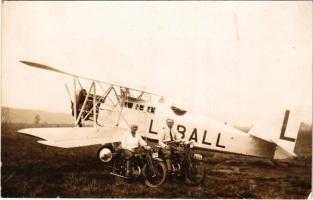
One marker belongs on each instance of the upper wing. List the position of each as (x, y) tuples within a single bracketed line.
[(45, 67), (75, 137), (49, 68)]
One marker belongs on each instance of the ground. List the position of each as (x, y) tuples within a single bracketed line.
[(30, 169)]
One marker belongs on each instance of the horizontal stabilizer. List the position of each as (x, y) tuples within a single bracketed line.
[(283, 153), (280, 129)]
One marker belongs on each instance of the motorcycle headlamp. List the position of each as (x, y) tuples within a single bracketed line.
[(197, 156), (191, 145), (105, 155)]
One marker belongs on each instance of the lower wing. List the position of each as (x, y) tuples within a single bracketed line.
[(75, 137)]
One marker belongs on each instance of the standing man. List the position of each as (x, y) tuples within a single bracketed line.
[(168, 134), (130, 141)]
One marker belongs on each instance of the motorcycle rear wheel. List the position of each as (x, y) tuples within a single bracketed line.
[(160, 177)]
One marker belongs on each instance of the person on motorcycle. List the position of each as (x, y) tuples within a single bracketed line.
[(130, 141), (168, 134)]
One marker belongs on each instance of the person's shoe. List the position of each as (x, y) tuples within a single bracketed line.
[(170, 173), (128, 173)]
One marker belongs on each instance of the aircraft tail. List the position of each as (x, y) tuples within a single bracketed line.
[(283, 129), (303, 146)]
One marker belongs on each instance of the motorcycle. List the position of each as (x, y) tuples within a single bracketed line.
[(185, 162), (145, 163)]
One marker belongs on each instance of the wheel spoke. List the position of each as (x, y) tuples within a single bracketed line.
[(196, 176), (154, 181)]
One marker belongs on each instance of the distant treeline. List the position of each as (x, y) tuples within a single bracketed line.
[(28, 116)]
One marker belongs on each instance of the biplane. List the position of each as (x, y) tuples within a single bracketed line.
[(104, 111)]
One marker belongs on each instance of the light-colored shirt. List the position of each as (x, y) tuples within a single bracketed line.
[(165, 136), (130, 142)]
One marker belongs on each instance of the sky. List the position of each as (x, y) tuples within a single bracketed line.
[(237, 61)]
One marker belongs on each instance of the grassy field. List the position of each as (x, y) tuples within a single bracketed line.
[(30, 169)]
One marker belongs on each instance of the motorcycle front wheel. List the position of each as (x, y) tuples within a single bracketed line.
[(156, 178), (194, 176)]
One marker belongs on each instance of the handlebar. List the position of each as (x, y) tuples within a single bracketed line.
[(181, 142), (142, 149), (175, 142)]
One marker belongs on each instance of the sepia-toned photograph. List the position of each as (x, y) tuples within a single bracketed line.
[(158, 99)]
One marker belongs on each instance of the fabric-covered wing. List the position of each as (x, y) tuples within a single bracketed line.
[(75, 137)]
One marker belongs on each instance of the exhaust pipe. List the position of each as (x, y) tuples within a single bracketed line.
[(119, 175)]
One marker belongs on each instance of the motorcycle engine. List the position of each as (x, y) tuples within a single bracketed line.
[(176, 167), (136, 171)]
